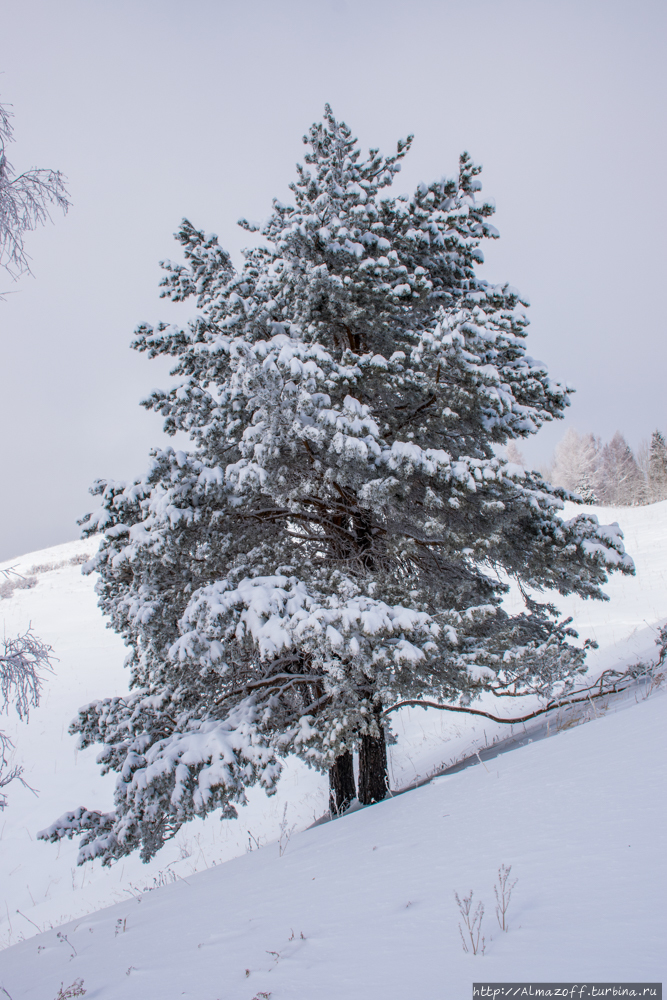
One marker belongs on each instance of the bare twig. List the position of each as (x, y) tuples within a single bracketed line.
[(65, 940), (75, 990), (285, 833), (472, 919), (503, 893), (29, 921), (252, 838)]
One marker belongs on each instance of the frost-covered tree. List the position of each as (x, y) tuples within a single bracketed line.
[(331, 543), (22, 662), (514, 454), (607, 474), (619, 480), (657, 468), (576, 465), (24, 202)]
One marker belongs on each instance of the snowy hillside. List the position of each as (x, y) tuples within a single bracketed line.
[(364, 907), (579, 817)]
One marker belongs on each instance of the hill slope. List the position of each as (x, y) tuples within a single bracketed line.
[(580, 818), (42, 887)]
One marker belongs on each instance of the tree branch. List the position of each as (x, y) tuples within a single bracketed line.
[(560, 703)]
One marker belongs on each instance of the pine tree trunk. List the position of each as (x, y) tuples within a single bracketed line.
[(342, 788), (373, 778)]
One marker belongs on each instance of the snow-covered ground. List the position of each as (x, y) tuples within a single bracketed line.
[(580, 818)]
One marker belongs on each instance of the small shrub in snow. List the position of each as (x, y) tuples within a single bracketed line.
[(166, 877), (76, 989), (14, 581), (79, 560), (69, 992), (48, 567), (65, 940), (503, 893), (471, 936), (184, 850), (472, 920), (285, 833), (253, 843)]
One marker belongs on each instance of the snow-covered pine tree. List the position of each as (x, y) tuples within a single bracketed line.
[(330, 545), (657, 468)]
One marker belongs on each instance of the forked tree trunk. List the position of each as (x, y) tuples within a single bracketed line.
[(342, 788), (373, 777)]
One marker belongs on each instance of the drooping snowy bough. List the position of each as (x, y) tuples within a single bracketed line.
[(332, 542)]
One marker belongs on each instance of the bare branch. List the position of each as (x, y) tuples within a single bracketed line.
[(24, 202), (21, 664), (597, 690), (280, 681)]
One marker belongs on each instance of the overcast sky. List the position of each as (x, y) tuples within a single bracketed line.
[(157, 110)]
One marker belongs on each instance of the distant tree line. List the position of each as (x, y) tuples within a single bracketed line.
[(611, 473)]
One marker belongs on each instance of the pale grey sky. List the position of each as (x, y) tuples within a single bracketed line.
[(158, 109)]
